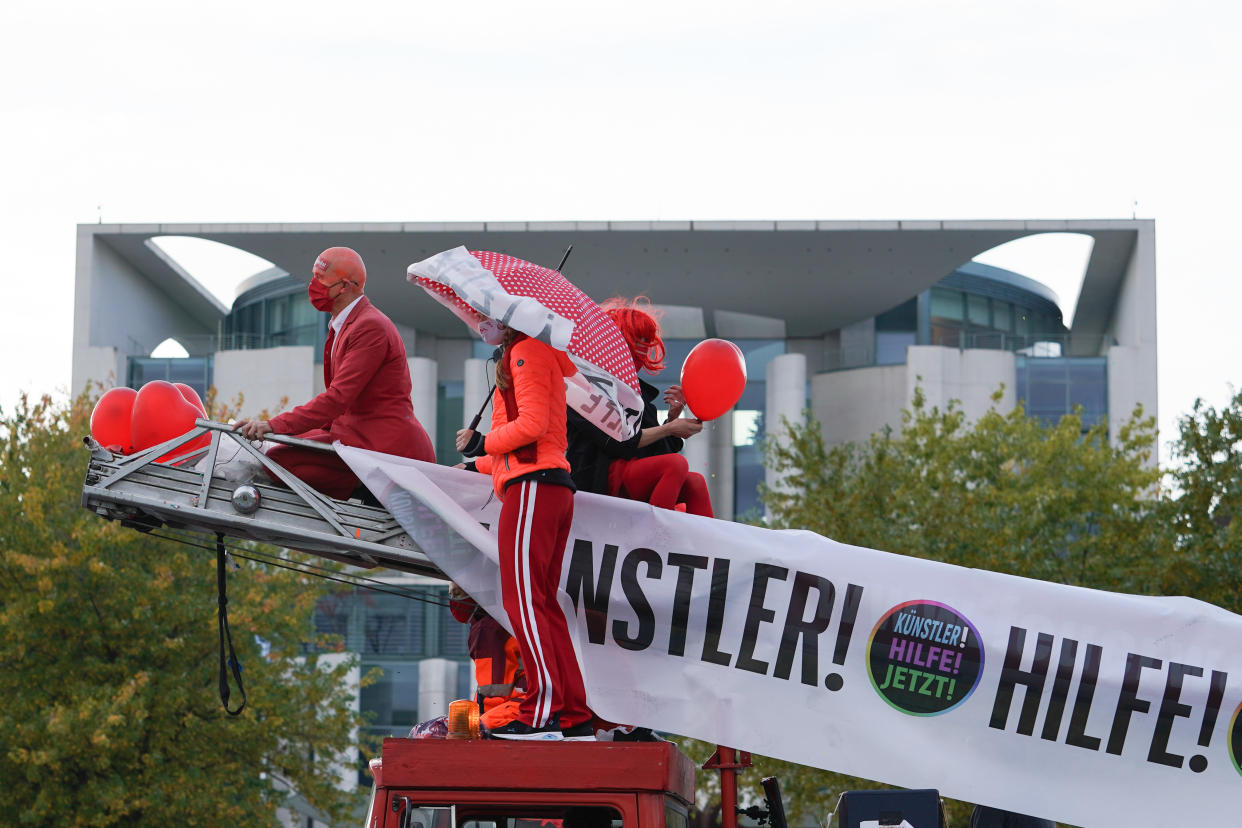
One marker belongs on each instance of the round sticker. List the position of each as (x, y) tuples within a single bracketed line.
[(1235, 739), (924, 658)]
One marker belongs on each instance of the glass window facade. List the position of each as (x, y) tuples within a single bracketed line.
[(749, 426), (895, 331), (193, 371), (1051, 387), (450, 415), (274, 314), (387, 624), (947, 314), (961, 319), (391, 701), (973, 307), (394, 633)]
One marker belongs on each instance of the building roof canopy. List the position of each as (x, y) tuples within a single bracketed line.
[(817, 276)]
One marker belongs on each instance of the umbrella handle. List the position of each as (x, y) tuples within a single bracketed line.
[(496, 354), (474, 424)]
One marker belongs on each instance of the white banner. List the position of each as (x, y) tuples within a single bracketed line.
[(1087, 707)]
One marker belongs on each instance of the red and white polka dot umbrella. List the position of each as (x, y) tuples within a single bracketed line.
[(542, 304)]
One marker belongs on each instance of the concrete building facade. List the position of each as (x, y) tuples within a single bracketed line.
[(844, 318)]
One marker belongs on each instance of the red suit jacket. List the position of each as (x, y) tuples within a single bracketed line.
[(366, 401)]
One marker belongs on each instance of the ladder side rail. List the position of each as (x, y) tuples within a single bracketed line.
[(172, 495), (395, 532), (181, 484), (212, 450), (263, 530), (147, 456), (312, 498), (272, 437), (207, 496)]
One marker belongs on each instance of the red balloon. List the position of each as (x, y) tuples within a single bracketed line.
[(713, 378), (192, 396), (110, 419), (161, 413)]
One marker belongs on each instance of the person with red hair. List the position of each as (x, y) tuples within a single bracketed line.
[(648, 466)]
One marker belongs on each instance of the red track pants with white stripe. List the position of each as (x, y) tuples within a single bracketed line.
[(533, 529)]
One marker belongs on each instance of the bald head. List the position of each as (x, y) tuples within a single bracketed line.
[(338, 264)]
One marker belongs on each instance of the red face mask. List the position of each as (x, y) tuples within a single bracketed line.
[(320, 295)]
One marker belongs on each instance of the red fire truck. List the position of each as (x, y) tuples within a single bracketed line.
[(481, 783)]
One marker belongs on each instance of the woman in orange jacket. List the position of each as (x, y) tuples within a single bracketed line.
[(526, 453)]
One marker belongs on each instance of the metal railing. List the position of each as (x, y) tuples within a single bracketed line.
[(196, 345), (207, 344), (1039, 346), (240, 342)]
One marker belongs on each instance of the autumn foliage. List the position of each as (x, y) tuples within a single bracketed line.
[(108, 665)]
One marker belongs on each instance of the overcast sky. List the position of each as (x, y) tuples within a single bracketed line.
[(279, 111)]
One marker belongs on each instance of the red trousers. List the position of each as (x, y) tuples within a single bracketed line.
[(664, 481), (323, 471), (533, 529)]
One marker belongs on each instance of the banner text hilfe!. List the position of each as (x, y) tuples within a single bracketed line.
[(1110, 725), (811, 595), (1017, 714)]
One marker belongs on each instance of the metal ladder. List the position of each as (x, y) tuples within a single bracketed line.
[(145, 492)]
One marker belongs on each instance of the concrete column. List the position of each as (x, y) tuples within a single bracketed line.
[(424, 377), (343, 767), (437, 686), (697, 451), (719, 433), (786, 398), (270, 379), (476, 381), (1130, 340)]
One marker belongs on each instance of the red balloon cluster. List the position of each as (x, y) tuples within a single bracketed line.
[(713, 378), (128, 421)]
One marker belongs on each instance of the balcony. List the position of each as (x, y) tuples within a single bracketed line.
[(886, 350)]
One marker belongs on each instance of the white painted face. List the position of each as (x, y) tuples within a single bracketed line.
[(491, 331)]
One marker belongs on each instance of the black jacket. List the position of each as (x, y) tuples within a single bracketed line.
[(591, 451)]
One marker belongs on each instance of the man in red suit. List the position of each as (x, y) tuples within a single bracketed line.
[(366, 401)]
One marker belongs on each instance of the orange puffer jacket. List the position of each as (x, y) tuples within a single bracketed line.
[(534, 438)]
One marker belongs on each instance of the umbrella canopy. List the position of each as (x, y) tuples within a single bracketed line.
[(542, 304)]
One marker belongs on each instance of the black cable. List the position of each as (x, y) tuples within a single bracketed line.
[(307, 569), (306, 566), (231, 664)]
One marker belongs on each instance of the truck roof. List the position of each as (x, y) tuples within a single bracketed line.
[(644, 767)]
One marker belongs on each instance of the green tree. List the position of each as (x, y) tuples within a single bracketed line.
[(109, 661), (1204, 504), (1004, 493)]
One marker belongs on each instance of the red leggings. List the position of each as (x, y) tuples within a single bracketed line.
[(533, 529), (663, 481)]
